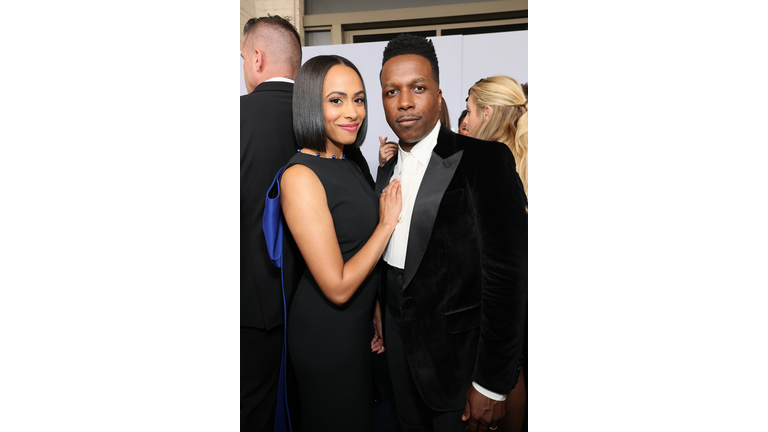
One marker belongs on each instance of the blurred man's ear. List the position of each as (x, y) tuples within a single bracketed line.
[(258, 60)]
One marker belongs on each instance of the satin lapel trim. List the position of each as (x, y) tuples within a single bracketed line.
[(436, 179), (384, 173)]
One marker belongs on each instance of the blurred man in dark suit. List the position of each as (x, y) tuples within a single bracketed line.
[(272, 55)]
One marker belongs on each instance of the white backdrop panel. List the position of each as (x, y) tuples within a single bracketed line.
[(462, 60), (487, 55)]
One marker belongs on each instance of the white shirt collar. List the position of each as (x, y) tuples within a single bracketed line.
[(279, 79), (422, 150)]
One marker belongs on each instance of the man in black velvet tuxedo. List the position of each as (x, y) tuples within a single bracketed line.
[(456, 265), (272, 55)]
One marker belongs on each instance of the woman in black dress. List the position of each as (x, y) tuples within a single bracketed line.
[(341, 229)]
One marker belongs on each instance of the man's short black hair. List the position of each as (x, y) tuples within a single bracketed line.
[(308, 120), (275, 20), (406, 43)]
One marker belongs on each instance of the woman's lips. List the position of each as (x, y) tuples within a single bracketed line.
[(349, 127)]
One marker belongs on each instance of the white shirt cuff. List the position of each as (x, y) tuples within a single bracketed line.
[(487, 393)]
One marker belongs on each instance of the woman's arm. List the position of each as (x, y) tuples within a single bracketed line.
[(305, 207)]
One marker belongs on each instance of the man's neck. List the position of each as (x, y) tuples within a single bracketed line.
[(408, 146)]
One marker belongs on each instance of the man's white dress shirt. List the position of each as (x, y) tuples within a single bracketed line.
[(410, 168), (279, 79)]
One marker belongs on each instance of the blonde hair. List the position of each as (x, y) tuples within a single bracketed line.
[(507, 122)]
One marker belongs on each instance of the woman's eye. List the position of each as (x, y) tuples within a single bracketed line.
[(359, 100), (335, 101)]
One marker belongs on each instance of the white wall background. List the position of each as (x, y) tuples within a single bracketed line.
[(462, 59)]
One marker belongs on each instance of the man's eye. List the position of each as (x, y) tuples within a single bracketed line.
[(419, 88), (391, 92)]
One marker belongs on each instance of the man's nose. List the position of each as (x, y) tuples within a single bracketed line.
[(405, 101)]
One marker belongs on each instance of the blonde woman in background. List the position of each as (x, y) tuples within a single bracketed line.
[(498, 111)]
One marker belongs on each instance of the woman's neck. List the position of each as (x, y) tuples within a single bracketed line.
[(331, 150)]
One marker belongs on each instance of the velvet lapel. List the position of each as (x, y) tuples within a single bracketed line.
[(442, 165)]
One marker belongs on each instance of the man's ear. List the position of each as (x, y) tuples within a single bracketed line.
[(258, 60), (439, 100), (487, 111)]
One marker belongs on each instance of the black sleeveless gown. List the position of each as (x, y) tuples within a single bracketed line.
[(329, 346)]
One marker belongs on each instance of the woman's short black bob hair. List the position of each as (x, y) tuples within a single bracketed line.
[(308, 120)]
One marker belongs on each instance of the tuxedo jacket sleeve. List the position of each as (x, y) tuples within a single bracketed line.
[(266, 144), (464, 291), (502, 229)]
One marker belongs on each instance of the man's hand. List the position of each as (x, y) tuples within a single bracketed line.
[(386, 150), (377, 344), (483, 413)]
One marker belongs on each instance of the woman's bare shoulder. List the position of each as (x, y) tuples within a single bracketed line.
[(298, 174), (301, 182)]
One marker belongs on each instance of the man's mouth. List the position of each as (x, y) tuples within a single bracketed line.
[(407, 121), (349, 127)]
